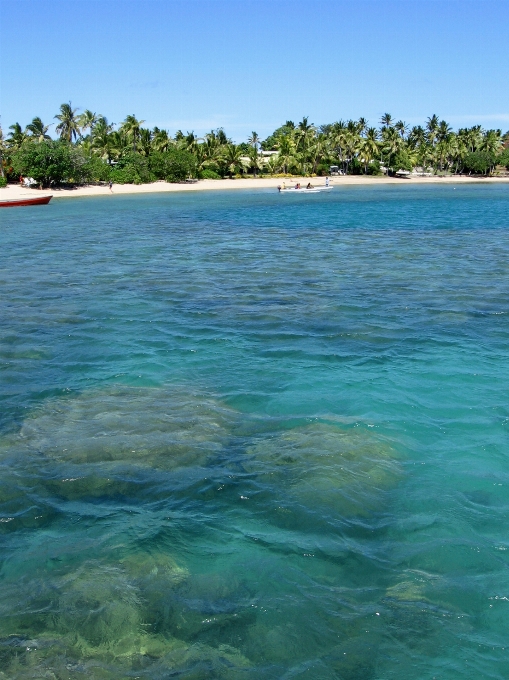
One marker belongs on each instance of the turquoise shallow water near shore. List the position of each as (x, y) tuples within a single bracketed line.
[(243, 436)]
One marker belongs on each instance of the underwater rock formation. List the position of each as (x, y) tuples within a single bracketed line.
[(326, 467), (165, 428)]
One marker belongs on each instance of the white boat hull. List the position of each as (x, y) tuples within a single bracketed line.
[(314, 190)]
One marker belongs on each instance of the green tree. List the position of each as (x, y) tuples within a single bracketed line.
[(401, 161), (479, 162), (131, 127), (369, 147), (38, 131), (230, 159), (145, 142), (503, 158), (173, 165), (132, 168), (68, 127), (16, 136), (102, 140), (286, 153), (3, 153), (272, 141), (392, 144), (51, 162), (386, 120), (88, 120), (160, 140)]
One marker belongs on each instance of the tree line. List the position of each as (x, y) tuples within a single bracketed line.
[(89, 148)]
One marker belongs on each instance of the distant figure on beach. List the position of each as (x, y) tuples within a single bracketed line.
[(297, 186), (309, 186), (110, 184), (279, 187), (326, 181), (21, 180)]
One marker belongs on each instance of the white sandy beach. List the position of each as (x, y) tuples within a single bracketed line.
[(13, 191)]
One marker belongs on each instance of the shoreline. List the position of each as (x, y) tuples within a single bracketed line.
[(14, 191)]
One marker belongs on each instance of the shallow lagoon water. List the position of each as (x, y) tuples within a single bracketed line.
[(242, 439)]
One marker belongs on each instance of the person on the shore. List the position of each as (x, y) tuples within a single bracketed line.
[(326, 181), (309, 186), (110, 184)]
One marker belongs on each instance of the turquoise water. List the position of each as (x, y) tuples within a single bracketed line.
[(246, 436)]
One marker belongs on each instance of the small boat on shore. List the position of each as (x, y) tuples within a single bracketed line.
[(17, 202)]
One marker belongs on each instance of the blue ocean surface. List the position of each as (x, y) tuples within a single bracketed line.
[(252, 436)]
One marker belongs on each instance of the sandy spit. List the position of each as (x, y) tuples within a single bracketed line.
[(13, 191)]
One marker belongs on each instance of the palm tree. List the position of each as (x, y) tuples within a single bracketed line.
[(402, 128), (492, 141), (386, 120), (102, 141), (338, 141), (304, 134), (443, 131), (120, 143), (38, 130), (352, 143), (3, 149), (131, 129), (286, 153), (392, 143), (362, 125), (431, 128), (68, 126), (88, 120), (145, 142), (273, 164), (417, 136), (254, 140), (369, 147), (231, 158), (222, 138), (160, 139), (16, 137), (316, 152)]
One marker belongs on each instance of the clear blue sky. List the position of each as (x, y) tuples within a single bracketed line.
[(252, 64)]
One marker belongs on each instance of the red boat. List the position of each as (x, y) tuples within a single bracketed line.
[(40, 200)]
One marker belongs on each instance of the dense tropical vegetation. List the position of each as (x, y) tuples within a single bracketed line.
[(89, 148)]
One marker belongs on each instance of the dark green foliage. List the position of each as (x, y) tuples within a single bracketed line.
[(401, 161), (138, 155), (356, 167), (209, 174), (323, 169), (479, 162), (97, 170), (131, 168), (3, 182), (50, 162), (374, 168), (270, 143), (173, 165), (503, 159)]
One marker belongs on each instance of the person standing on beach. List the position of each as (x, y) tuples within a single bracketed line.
[(326, 181), (110, 184)]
